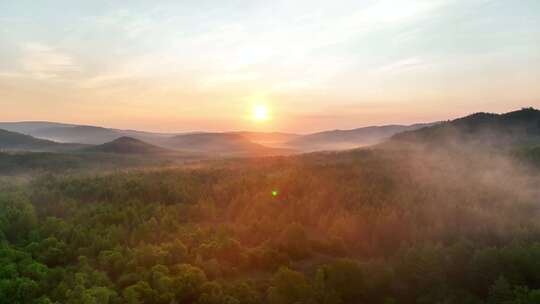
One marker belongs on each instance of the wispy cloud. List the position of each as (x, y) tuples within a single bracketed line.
[(133, 25), (44, 62), (225, 46), (228, 78), (403, 64), (201, 57), (104, 80)]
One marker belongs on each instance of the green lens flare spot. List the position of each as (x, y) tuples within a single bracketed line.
[(275, 193)]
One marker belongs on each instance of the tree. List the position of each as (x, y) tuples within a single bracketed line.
[(500, 292), (187, 281), (17, 217), (294, 241), (289, 287), (340, 282)]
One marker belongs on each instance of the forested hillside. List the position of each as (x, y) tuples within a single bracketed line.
[(366, 226), (517, 127), (127, 146), (12, 141)]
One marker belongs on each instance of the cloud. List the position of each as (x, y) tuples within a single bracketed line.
[(11, 75), (228, 78), (133, 25), (229, 40), (403, 64), (105, 80), (44, 62), (396, 12)]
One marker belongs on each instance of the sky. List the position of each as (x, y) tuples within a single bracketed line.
[(186, 65)]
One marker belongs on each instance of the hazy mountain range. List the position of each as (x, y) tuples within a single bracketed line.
[(128, 145), (348, 139), (20, 142), (522, 126), (226, 143)]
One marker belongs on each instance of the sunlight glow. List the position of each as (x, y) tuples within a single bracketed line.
[(261, 113)]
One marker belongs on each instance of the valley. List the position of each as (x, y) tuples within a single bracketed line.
[(412, 220)]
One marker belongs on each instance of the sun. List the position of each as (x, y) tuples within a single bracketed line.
[(260, 113)]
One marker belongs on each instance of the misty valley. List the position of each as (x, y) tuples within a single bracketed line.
[(444, 212)]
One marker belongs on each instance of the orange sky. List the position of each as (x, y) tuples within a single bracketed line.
[(314, 64)]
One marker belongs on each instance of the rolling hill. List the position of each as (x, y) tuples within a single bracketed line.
[(219, 144), (270, 139), (223, 144), (517, 127), (348, 139), (12, 141), (83, 134), (242, 143), (30, 127), (127, 145), (62, 132)]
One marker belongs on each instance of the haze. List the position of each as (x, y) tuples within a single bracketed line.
[(315, 65)]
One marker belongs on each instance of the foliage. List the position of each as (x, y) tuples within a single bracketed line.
[(356, 227)]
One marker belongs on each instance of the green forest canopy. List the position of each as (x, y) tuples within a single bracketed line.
[(367, 226)]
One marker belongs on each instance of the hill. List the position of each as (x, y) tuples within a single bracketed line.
[(348, 139), (12, 141), (83, 134), (270, 139), (30, 127), (127, 145), (517, 127), (218, 144), (223, 144), (62, 132)]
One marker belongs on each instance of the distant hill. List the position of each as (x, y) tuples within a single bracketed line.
[(243, 143), (61, 132), (517, 127), (13, 141), (219, 144), (271, 139), (82, 134), (348, 139), (127, 145), (29, 127)]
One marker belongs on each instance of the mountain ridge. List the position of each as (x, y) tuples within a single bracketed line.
[(219, 143), (351, 138), (127, 145), (14, 141), (515, 127)]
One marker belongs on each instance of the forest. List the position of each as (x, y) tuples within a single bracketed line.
[(270, 152), (374, 225)]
